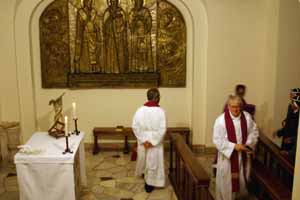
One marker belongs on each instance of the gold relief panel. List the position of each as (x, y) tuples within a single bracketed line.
[(171, 46), (113, 43), (54, 45)]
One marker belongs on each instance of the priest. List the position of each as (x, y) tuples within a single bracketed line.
[(235, 136), (149, 127)]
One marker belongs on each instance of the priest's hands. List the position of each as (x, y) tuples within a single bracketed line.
[(241, 147), (147, 145)]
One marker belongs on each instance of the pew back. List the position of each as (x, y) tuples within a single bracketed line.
[(271, 171)]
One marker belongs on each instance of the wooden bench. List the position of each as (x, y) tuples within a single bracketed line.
[(271, 172), (127, 132)]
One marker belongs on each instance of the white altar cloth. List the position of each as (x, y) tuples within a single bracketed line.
[(50, 174)]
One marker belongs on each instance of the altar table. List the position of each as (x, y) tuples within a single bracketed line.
[(51, 175)]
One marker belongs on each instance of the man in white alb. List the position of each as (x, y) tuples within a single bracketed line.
[(149, 127), (235, 136)]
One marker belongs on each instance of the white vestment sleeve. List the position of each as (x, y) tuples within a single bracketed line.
[(137, 129), (252, 133), (220, 140), (158, 135)]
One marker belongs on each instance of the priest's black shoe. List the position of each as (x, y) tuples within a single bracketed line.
[(149, 188)]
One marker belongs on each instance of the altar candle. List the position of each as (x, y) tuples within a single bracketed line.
[(66, 125), (74, 110)]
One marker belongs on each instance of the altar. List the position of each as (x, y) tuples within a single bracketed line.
[(50, 174)]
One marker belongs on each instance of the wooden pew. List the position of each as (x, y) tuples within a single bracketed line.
[(126, 132), (271, 173), (188, 178)]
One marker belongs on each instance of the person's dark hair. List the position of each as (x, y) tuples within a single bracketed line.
[(153, 94), (240, 86)]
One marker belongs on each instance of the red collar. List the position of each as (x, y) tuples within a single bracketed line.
[(151, 104)]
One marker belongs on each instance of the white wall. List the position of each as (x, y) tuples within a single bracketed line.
[(288, 59), (266, 114), (235, 53), (9, 105)]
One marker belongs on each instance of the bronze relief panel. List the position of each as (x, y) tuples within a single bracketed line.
[(112, 44)]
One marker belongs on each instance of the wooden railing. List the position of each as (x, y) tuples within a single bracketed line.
[(187, 176), (272, 173)]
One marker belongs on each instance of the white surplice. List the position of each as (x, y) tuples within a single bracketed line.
[(149, 124), (225, 149)]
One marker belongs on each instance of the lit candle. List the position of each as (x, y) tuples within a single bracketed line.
[(74, 110), (66, 125)]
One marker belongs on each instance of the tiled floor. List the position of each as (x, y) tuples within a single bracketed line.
[(110, 177)]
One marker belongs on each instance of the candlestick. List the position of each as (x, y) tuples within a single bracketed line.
[(76, 131), (74, 110), (67, 150), (66, 125)]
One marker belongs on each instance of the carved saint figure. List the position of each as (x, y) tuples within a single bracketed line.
[(115, 39), (87, 37), (140, 24)]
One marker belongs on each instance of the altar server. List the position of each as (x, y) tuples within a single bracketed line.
[(149, 127)]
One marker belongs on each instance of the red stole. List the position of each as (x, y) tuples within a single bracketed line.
[(151, 104), (234, 159)]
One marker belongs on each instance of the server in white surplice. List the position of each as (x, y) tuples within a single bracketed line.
[(149, 126)]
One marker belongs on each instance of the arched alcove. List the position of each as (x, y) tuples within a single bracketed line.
[(187, 110)]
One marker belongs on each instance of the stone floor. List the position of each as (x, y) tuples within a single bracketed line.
[(110, 176)]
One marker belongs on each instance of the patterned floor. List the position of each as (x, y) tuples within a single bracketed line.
[(110, 177)]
